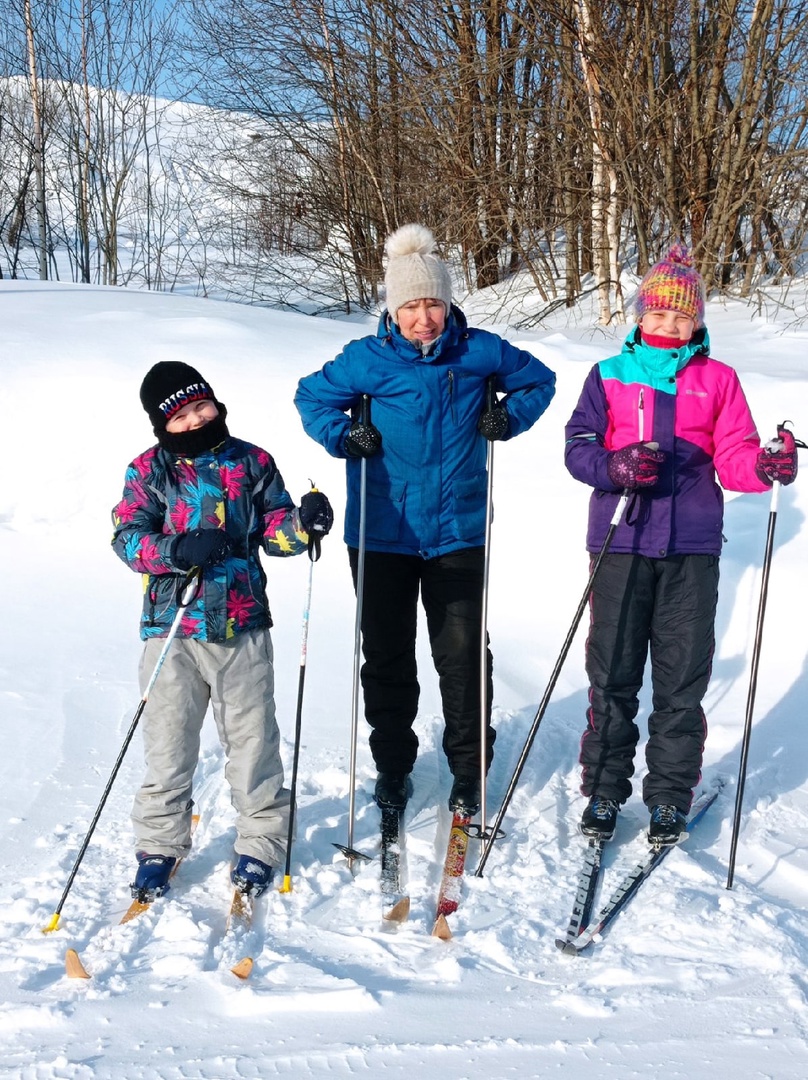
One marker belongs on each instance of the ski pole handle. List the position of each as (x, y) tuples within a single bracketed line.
[(315, 538)]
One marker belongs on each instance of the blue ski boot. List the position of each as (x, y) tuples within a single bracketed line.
[(153, 873), (251, 876)]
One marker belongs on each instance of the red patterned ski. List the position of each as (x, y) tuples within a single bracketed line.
[(452, 880)]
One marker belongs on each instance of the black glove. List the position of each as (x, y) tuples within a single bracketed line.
[(200, 547), (362, 441), (316, 514), (635, 466), (494, 423)]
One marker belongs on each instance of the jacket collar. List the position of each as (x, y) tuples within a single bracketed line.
[(456, 328), (666, 362)]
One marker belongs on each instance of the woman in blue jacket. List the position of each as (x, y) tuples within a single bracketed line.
[(425, 372)]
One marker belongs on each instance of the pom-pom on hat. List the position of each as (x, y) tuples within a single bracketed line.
[(672, 284), (169, 386), (414, 269)]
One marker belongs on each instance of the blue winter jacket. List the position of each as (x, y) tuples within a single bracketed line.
[(426, 487)]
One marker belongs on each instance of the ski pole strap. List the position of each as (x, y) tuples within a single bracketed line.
[(784, 427), (188, 588), (633, 506), (633, 509)]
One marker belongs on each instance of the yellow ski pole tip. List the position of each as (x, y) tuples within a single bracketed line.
[(52, 925)]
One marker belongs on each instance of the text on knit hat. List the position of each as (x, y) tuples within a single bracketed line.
[(168, 387)]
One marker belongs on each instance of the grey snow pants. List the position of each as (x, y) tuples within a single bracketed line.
[(237, 678)]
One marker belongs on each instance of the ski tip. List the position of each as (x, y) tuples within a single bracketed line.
[(243, 969), (399, 912), (441, 929), (74, 968), (567, 947)]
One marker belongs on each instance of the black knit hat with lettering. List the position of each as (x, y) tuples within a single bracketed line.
[(168, 387)]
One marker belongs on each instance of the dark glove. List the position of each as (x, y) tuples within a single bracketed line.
[(494, 423), (778, 459), (316, 514), (635, 466), (200, 547), (362, 441)]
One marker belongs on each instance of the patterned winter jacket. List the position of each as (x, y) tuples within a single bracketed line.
[(694, 408), (426, 488), (235, 487)]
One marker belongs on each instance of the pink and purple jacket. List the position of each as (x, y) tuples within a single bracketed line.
[(694, 408)]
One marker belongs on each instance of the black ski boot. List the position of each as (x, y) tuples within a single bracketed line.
[(668, 826), (599, 819), (392, 790), (465, 796)]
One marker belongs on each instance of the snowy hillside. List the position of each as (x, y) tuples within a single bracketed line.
[(692, 981)]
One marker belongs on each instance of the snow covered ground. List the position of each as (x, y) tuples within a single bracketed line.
[(692, 981)]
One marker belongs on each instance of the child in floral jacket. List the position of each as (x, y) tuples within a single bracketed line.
[(203, 499)]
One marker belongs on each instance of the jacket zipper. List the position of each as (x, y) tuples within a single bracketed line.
[(451, 396), (641, 416)]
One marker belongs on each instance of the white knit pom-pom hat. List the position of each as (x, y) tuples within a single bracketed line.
[(414, 269)]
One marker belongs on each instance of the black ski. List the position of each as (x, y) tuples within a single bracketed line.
[(395, 902), (588, 881), (630, 884)]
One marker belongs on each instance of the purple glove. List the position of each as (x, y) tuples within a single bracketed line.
[(778, 459), (635, 466)]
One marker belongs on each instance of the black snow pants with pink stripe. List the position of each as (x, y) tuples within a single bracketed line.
[(666, 606)]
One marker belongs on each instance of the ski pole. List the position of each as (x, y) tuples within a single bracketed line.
[(189, 590), (348, 849), (314, 555), (494, 831), (479, 831), (750, 700)]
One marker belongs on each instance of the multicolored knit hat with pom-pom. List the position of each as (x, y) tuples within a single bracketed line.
[(672, 284)]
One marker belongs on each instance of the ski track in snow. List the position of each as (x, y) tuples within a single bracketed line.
[(691, 982)]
